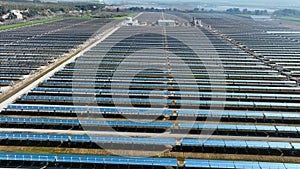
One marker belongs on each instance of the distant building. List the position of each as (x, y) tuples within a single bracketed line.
[(197, 22), (17, 13), (261, 17), (113, 7), (166, 23), (131, 22)]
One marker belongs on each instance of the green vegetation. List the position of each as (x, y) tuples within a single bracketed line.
[(5, 27), (35, 8), (129, 14), (112, 15), (246, 11), (29, 23), (52, 10), (244, 15), (30, 9), (292, 18), (80, 17), (287, 14)]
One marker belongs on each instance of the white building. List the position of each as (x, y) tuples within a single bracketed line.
[(261, 17), (166, 23), (17, 13), (130, 22)]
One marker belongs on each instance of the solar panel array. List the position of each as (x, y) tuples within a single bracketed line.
[(150, 94), (277, 45), (136, 161), (26, 50)]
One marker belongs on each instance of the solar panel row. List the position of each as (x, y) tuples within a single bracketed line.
[(182, 112), (25, 50), (132, 68), (189, 163), (87, 139)]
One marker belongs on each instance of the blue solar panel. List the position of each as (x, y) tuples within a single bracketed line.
[(235, 143), (132, 140), (126, 123), (15, 70), (99, 90), (197, 163), (214, 143), (296, 145), (273, 115), (291, 116), (246, 127), (27, 157), (232, 127), (240, 114), (291, 166), (191, 142), (90, 109), (265, 128), (109, 78), (234, 81), (222, 164), (142, 161), (286, 129), (39, 120), (212, 113), (176, 85), (59, 98), (254, 114), (246, 165), (165, 162), (11, 75), (257, 144), (36, 137), (6, 81), (226, 127), (117, 160), (214, 164), (280, 145), (266, 165)]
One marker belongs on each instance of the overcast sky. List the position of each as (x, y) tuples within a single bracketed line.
[(224, 2)]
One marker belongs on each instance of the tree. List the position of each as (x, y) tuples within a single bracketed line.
[(12, 16), (233, 11), (196, 9), (246, 11), (3, 10), (287, 12)]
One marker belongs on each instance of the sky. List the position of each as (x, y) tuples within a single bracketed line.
[(273, 3), (261, 4), (216, 2)]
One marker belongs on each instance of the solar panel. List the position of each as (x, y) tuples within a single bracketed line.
[(197, 163), (27, 157), (117, 160)]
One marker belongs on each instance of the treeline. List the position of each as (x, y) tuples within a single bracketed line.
[(287, 12), (142, 9), (36, 9), (3, 10), (87, 7), (281, 12), (30, 9), (35, 6), (246, 11)]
